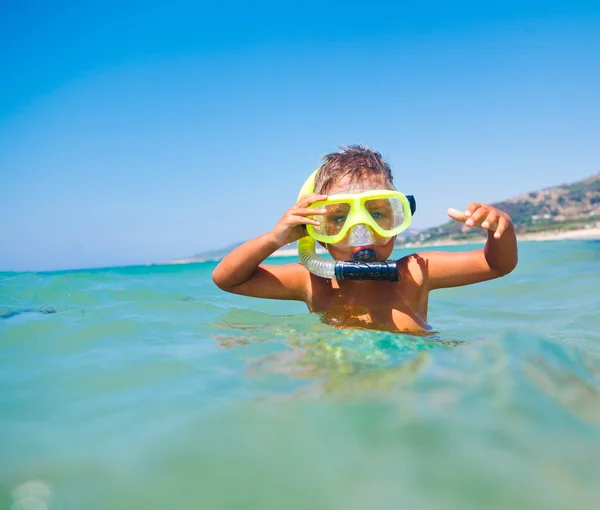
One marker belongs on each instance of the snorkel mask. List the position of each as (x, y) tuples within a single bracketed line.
[(355, 219)]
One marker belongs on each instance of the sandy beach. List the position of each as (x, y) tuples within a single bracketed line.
[(588, 234), (583, 233)]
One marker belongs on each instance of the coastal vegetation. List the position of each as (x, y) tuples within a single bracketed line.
[(557, 209)]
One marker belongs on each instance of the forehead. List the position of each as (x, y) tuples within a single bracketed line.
[(348, 185)]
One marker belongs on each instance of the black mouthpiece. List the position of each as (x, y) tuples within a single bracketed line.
[(365, 255)]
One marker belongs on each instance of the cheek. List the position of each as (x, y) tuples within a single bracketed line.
[(345, 253), (339, 253), (385, 251)]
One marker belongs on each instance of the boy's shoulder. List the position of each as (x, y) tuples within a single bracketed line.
[(413, 267)]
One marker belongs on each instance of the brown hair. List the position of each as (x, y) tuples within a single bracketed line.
[(355, 161)]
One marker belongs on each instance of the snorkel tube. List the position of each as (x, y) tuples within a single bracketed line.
[(341, 269)]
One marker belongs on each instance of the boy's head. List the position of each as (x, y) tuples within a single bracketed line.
[(355, 168), (352, 165)]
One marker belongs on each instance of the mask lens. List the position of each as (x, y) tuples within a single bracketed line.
[(388, 213), (333, 220)]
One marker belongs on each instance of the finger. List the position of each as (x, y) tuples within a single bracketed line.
[(308, 211), (471, 208), (476, 216), (457, 215), (306, 200), (294, 220), (309, 221), (303, 216), (492, 217), (502, 224)]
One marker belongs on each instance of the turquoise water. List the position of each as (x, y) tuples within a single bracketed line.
[(147, 387)]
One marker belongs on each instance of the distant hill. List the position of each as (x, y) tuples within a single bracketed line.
[(216, 254), (564, 207)]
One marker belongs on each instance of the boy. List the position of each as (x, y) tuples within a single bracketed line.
[(391, 305)]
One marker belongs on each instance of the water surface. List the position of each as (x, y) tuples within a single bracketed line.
[(148, 387)]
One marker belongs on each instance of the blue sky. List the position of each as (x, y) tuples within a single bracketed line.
[(139, 132)]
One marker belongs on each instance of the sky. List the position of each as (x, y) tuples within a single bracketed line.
[(141, 132)]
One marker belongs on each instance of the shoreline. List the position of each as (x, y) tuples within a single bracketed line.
[(588, 234), (583, 234)]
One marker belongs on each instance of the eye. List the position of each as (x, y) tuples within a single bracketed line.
[(377, 215), (338, 219)]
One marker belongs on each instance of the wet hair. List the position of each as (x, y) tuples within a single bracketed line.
[(355, 162)]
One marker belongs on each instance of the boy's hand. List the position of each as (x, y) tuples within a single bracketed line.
[(483, 216), (290, 227)]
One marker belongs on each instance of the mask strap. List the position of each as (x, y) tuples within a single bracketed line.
[(413, 204)]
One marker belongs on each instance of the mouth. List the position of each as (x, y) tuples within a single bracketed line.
[(357, 249), (365, 255)]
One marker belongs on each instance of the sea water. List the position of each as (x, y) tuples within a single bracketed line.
[(148, 387)]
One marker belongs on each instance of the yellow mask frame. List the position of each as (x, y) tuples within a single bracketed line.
[(358, 212)]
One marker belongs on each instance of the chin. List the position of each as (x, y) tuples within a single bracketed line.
[(347, 254)]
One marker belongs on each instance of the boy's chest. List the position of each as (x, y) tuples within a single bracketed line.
[(387, 306)]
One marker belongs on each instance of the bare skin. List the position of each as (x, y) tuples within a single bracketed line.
[(393, 306)]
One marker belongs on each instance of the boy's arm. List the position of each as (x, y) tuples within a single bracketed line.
[(240, 272), (498, 258)]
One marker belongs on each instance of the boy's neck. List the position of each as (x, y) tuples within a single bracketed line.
[(359, 285)]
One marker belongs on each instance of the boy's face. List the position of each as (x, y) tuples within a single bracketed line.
[(384, 246)]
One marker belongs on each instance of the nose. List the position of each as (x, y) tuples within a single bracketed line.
[(361, 235)]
